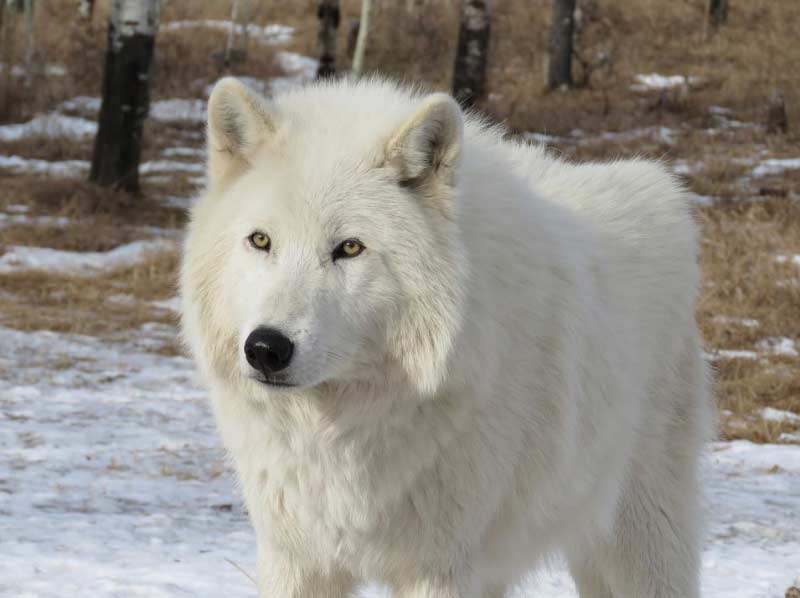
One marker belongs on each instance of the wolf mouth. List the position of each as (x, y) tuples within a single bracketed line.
[(274, 382)]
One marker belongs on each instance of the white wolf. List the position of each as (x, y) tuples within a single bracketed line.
[(437, 356)]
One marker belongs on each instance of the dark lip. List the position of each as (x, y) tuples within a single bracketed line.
[(272, 382)]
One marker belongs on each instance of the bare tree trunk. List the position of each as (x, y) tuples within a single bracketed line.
[(717, 13), (353, 26), (777, 118), (8, 52), (472, 53), (231, 32), (246, 14), (328, 15), (361, 43), (559, 71), (29, 43), (126, 93)]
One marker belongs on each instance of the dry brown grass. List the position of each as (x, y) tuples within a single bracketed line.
[(743, 280), (42, 147), (107, 304), (78, 199)]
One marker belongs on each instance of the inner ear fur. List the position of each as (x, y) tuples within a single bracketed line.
[(239, 121), (428, 143)]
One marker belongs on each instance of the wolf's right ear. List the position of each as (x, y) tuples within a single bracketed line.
[(239, 121)]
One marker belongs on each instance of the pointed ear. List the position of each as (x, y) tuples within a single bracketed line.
[(239, 121), (428, 144)]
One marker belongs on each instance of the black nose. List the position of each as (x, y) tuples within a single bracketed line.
[(268, 350)]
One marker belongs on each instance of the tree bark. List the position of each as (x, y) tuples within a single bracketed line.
[(777, 117), (559, 70), (8, 52), (126, 94), (232, 32), (30, 43), (717, 13), (472, 52), (245, 18), (327, 34), (361, 42)]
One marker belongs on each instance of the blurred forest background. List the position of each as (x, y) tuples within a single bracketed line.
[(711, 87)]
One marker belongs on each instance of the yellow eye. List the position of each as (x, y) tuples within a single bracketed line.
[(260, 241), (348, 248)]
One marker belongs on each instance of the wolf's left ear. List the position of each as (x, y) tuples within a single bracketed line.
[(239, 121), (428, 144)]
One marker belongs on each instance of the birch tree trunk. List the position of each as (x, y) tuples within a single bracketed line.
[(30, 43), (559, 70), (472, 53), (126, 93), (231, 32), (327, 34), (361, 42), (246, 14)]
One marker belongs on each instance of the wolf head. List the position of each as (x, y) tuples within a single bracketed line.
[(326, 248)]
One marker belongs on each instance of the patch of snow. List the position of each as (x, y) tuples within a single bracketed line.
[(542, 138), (121, 299), (746, 322), (788, 259), (181, 203), (18, 257), (179, 109), (55, 70), (170, 166), (171, 304), (681, 167), (65, 168), (9, 219), (190, 152), (50, 125), (779, 415), (664, 134), (776, 166), (656, 81), (16, 70), (51, 70), (18, 208), (779, 345), (85, 104), (720, 110), (299, 69), (703, 200), (272, 34), (732, 354)]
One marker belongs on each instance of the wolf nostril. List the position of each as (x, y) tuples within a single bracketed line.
[(268, 350)]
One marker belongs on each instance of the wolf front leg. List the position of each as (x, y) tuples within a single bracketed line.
[(281, 580)]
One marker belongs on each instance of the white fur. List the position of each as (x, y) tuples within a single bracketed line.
[(510, 369)]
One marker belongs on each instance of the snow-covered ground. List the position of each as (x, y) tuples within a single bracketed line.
[(85, 263), (112, 478)]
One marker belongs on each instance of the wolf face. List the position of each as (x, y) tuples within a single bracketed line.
[(308, 236)]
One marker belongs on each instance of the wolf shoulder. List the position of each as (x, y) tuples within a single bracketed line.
[(637, 202)]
